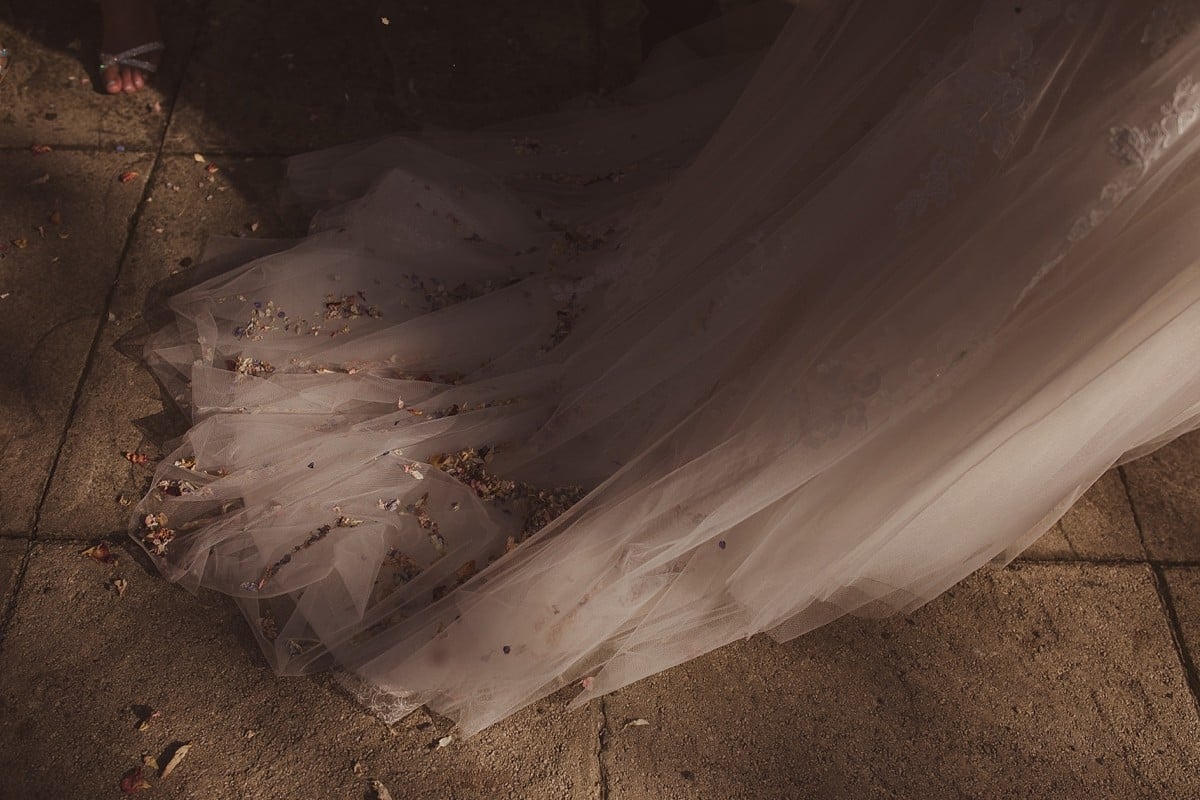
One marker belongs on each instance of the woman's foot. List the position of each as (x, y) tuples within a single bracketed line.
[(4, 54), (131, 45)]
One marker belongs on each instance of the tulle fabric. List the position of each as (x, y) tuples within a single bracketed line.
[(759, 341)]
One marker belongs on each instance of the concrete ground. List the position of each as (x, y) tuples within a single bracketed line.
[(1069, 674)]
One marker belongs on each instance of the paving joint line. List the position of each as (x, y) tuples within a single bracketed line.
[(602, 747), (10, 605), (78, 148), (1182, 652), (71, 540), (89, 362), (1165, 599), (69, 422), (216, 152), (1137, 519), (1111, 562), (10, 609)]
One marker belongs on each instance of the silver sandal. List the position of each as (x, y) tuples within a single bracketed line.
[(129, 58)]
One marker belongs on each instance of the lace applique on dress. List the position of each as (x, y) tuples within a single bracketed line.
[(389, 707), (1138, 148), (1168, 23), (835, 396), (993, 89)]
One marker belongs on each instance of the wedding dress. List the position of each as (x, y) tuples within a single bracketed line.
[(763, 339)]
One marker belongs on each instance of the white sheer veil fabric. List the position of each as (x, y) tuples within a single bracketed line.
[(813, 332)]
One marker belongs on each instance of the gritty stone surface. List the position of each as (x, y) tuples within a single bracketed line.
[(50, 97), (1035, 681), (82, 665), (1099, 526), (1166, 498), (1183, 585), (61, 235), (12, 551), (122, 407)]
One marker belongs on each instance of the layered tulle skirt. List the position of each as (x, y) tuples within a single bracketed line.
[(765, 338)]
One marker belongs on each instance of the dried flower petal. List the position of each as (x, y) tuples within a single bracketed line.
[(132, 781), (100, 552), (379, 790), (251, 366), (158, 539), (127, 176), (147, 719), (176, 757)]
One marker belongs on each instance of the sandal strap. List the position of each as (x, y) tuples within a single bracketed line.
[(129, 58), (4, 52)]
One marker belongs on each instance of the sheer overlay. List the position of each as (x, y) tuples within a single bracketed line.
[(768, 337)]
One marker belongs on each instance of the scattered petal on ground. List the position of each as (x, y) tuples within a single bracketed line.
[(176, 757)]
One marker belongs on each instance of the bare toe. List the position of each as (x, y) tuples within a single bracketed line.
[(131, 31), (111, 78)]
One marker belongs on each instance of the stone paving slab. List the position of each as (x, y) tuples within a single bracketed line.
[(62, 229), (1099, 526), (80, 663), (1041, 680), (49, 97), (1184, 586), (122, 408), (1166, 499)]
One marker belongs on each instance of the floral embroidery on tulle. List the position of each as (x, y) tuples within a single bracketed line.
[(391, 706), (1169, 22), (1138, 148), (993, 98), (835, 395)]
